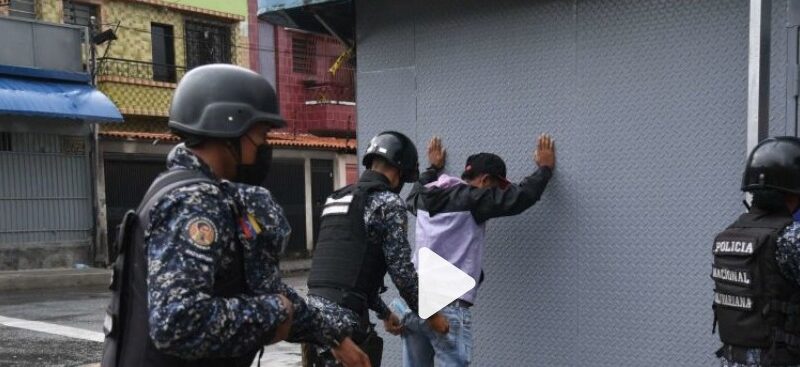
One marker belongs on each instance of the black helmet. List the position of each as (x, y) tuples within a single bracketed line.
[(398, 150), (222, 101), (774, 164)]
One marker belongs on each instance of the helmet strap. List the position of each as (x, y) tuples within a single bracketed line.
[(235, 147)]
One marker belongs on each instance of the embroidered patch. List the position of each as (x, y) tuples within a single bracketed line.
[(201, 232)]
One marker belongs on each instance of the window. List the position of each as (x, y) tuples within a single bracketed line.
[(5, 142), (73, 145), (207, 43), (79, 13), (162, 38), (302, 55), (20, 8)]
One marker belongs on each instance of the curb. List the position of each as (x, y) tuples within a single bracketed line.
[(20, 280), (53, 278)]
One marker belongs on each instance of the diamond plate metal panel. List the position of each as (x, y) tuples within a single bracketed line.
[(393, 22), (778, 58), (647, 100), (393, 93), (664, 87)]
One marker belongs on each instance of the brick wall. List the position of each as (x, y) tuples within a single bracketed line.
[(296, 88)]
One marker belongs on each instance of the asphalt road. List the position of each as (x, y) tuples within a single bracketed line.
[(35, 344)]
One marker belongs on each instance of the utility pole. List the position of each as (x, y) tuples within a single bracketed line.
[(99, 253)]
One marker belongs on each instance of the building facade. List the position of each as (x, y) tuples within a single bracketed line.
[(156, 43), (48, 112)]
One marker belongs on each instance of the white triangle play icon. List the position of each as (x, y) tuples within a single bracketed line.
[(439, 282)]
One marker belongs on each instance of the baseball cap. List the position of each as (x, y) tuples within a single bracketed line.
[(486, 163)]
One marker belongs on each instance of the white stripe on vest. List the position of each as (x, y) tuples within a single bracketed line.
[(343, 200)]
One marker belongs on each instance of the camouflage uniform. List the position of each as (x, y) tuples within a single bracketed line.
[(788, 257), (192, 235), (386, 224)]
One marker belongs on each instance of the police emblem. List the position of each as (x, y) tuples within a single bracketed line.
[(201, 232)]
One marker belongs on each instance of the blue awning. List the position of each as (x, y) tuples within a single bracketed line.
[(36, 97)]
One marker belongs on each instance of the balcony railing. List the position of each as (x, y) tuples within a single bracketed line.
[(332, 87), (109, 66)]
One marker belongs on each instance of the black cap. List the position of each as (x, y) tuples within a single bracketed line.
[(486, 163)]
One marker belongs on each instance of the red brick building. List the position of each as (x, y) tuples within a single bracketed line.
[(315, 83), (317, 94)]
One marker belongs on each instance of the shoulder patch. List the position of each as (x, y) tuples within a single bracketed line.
[(201, 232)]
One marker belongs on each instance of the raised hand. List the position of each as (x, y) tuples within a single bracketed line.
[(545, 154), (436, 153)]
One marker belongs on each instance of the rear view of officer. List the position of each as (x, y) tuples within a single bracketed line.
[(756, 269), (363, 234), (186, 289)]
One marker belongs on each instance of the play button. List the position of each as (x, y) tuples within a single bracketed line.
[(440, 283)]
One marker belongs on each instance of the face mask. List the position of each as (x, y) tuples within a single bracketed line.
[(397, 189), (255, 173)]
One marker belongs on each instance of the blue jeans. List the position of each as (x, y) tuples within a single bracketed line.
[(422, 346)]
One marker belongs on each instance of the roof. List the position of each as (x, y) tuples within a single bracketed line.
[(53, 94), (192, 9), (320, 16), (276, 139)]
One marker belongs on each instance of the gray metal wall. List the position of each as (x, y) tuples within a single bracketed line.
[(266, 53), (41, 45), (45, 193), (647, 101)]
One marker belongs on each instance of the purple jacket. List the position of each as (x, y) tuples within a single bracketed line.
[(452, 215)]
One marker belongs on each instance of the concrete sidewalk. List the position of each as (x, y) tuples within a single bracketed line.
[(19, 280)]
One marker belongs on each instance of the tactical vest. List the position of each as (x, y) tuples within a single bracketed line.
[(754, 305), (346, 269), (128, 342)]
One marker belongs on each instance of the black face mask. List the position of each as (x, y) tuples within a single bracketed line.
[(255, 173)]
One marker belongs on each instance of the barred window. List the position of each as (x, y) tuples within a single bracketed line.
[(207, 43), (302, 55), (79, 13), (18, 8)]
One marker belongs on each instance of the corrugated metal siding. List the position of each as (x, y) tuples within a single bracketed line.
[(45, 195), (647, 100)]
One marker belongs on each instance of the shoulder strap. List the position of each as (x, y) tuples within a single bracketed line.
[(165, 183), (763, 220)]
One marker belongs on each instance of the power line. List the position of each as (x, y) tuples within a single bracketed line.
[(246, 46)]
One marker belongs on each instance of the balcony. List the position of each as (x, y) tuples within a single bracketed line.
[(56, 47), (329, 87), (138, 72), (333, 118), (138, 88)]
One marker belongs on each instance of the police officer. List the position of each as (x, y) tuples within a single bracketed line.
[(363, 234), (756, 268), (196, 282)]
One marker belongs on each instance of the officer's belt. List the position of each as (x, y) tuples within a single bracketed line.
[(355, 301)]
